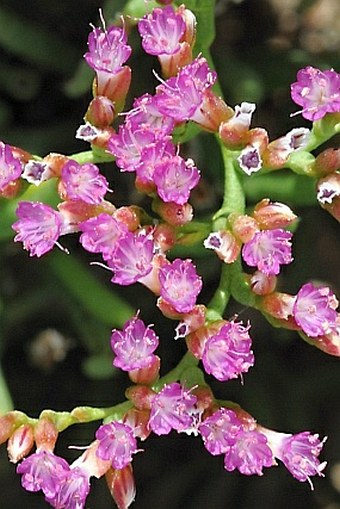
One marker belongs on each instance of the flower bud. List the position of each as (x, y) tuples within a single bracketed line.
[(121, 485), (205, 397), (328, 161), (45, 434), (11, 190), (55, 163), (191, 321), (174, 214), (131, 216), (91, 462), (234, 131), (8, 423), (113, 86), (77, 211), (190, 25), (261, 284), (243, 227), (148, 375), (164, 236), (20, 443), (214, 112), (279, 306), (257, 137), (101, 111), (272, 215)]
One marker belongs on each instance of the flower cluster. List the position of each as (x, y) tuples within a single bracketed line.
[(136, 246)]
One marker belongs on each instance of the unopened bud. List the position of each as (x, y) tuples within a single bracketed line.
[(191, 321), (271, 215), (190, 25), (234, 132), (164, 236), (121, 484), (279, 306), (174, 214), (20, 443), (11, 190), (261, 284), (9, 423), (55, 163), (131, 216), (101, 111), (214, 112), (77, 211), (113, 86), (328, 161)]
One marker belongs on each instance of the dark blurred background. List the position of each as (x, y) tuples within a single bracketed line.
[(49, 360)]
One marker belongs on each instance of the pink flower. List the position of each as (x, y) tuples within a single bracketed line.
[(101, 233), (175, 178), (134, 345), (161, 31), (132, 258), (38, 227), (108, 51), (36, 172), (228, 354), (172, 408), (315, 310), (151, 156), (180, 284), (181, 97), (127, 145), (44, 471), (318, 92), (83, 182), (249, 454), (299, 453), (268, 250), (10, 167), (116, 443), (250, 160), (72, 490), (145, 115), (219, 431)]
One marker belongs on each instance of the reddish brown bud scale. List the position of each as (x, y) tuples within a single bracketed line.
[(138, 420), (243, 227), (141, 396), (45, 434), (328, 161), (147, 375), (101, 111)]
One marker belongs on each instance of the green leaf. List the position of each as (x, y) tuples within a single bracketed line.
[(102, 303), (33, 44)]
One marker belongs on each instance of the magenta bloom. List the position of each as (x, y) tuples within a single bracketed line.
[(145, 115), (116, 443), (180, 284), (175, 178), (151, 156), (219, 431), (228, 354), (249, 454), (38, 228), (172, 408), (10, 166), (108, 49), (315, 310), (134, 345), (318, 92), (132, 258), (161, 31), (268, 250), (44, 471), (72, 490), (299, 453), (101, 233), (182, 96), (128, 144), (83, 182)]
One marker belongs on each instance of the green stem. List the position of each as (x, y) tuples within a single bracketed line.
[(187, 361), (92, 156), (218, 303), (6, 404)]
